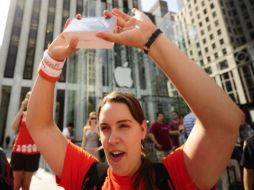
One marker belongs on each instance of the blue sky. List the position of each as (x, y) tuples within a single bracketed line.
[(146, 4), (3, 14)]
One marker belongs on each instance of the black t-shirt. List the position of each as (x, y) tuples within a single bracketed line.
[(247, 160)]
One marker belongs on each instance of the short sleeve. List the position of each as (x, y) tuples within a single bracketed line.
[(76, 164), (153, 128), (176, 168)]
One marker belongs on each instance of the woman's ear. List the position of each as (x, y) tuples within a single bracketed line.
[(144, 129)]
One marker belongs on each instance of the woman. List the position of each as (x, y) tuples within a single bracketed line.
[(197, 165), (25, 155), (90, 137)]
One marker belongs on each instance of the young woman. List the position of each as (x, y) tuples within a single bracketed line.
[(90, 137), (25, 155), (122, 127)]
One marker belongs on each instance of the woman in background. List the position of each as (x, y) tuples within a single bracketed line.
[(25, 155), (90, 137)]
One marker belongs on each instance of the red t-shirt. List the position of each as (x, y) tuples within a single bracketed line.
[(24, 143), (77, 162), (161, 133), (174, 126)]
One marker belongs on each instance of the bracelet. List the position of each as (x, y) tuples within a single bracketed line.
[(57, 65), (44, 75), (151, 40), (50, 69)]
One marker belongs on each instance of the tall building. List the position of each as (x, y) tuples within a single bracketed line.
[(224, 46), (87, 76)]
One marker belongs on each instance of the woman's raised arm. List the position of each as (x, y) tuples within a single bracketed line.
[(211, 142), (40, 123)]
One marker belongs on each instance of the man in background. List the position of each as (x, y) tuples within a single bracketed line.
[(160, 136), (68, 131), (188, 122)]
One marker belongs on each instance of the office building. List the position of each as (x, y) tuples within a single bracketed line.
[(87, 76), (224, 46)]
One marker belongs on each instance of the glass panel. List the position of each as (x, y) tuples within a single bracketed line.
[(50, 23), (79, 8), (59, 110), (6, 94), (14, 41), (29, 63), (24, 90), (71, 99)]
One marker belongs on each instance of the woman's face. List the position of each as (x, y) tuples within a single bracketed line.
[(25, 102), (121, 137), (93, 120), (28, 96)]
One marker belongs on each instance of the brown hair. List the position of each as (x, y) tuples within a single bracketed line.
[(146, 171)]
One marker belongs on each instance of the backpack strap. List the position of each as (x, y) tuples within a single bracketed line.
[(163, 180), (95, 176)]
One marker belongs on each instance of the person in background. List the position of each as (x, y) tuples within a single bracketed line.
[(175, 129), (247, 162), (90, 137), (160, 136), (121, 121), (188, 122), (68, 131), (25, 155)]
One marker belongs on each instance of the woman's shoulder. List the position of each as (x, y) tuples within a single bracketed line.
[(85, 128), (177, 170)]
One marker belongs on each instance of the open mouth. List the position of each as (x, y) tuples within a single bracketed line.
[(116, 155)]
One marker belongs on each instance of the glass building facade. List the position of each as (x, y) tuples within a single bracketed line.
[(87, 76)]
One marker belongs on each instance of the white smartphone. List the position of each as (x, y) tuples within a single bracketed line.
[(86, 28)]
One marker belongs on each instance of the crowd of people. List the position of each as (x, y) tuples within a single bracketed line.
[(238, 174), (208, 135), (169, 136)]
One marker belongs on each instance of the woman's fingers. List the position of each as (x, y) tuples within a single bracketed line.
[(122, 18), (68, 21), (72, 46), (121, 14), (107, 14), (131, 23), (112, 37), (78, 16)]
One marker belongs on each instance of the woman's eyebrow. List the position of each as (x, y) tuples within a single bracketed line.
[(120, 121), (123, 121)]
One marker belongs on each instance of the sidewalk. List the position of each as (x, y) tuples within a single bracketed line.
[(42, 180)]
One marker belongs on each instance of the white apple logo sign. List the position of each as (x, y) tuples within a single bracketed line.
[(123, 76)]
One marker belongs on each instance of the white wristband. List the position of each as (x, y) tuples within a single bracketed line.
[(49, 71), (50, 62)]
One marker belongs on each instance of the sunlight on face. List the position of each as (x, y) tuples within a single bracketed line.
[(121, 137)]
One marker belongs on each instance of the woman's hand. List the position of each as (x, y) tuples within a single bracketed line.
[(60, 49), (24, 104), (131, 30)]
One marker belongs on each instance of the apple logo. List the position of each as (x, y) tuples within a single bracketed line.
[(123, 76)]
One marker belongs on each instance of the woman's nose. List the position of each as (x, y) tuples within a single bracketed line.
[(113, 138)]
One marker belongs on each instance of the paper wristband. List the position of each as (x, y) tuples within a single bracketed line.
[(49, 71), (57, 65)]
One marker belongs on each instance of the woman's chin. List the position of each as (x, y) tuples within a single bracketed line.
[(118, 171)]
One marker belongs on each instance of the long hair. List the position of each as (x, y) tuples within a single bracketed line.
[(91, 114), (145, 173)]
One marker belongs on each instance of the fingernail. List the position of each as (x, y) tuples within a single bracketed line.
[(132, 12)]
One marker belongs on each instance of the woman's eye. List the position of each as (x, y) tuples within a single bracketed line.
[(103, 128), (124, 126)]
